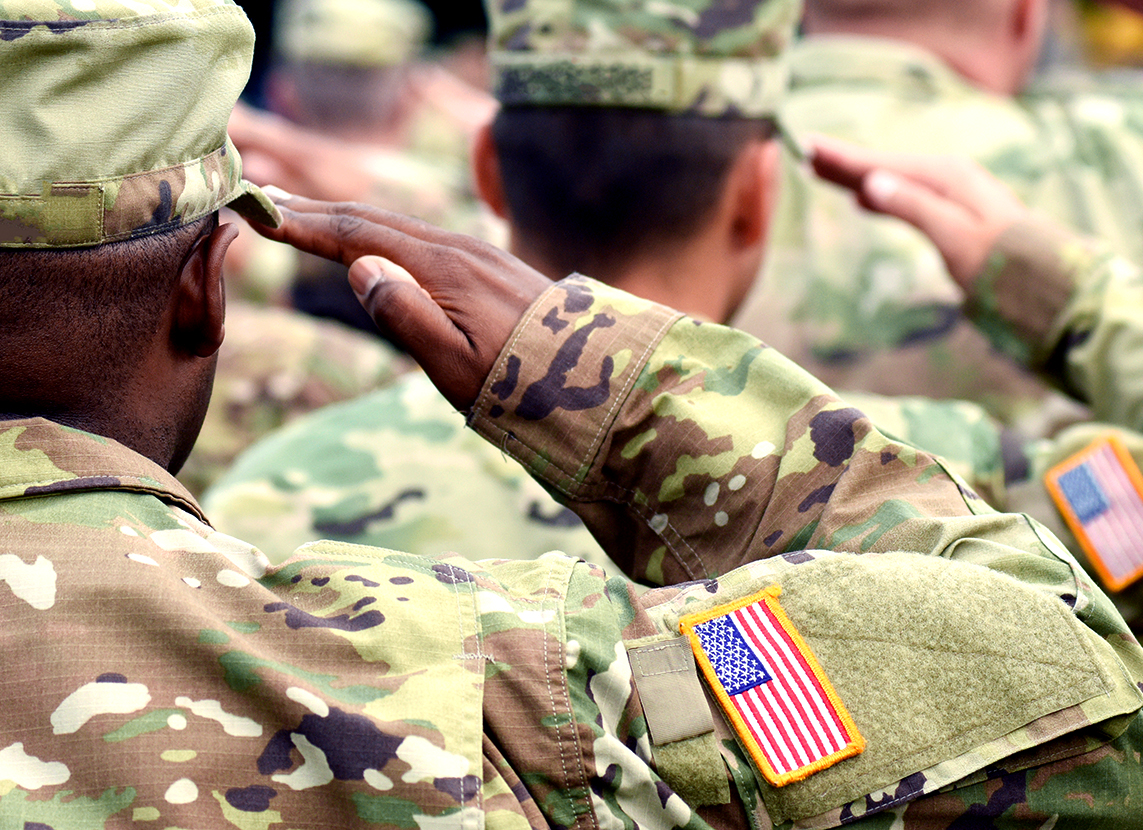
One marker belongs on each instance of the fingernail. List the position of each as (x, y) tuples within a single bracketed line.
[(880, 186), (364, 274), (276, 193)]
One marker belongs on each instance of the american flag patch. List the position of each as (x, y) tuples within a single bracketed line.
[(1099, 492), (771, 688)]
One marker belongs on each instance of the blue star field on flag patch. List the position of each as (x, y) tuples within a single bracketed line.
[(1084, 493), (735, 663)]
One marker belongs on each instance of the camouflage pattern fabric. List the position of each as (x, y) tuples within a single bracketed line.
[(397, 469), (193, 684), (97, 187), (274, 366), (864, 302), (697, 56), (1082, 328)]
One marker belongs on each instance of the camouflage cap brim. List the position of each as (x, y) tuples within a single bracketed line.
[(116, 128), (83, 214)]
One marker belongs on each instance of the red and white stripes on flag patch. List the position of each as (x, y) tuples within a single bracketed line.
[(771, 687), (1099, 492)]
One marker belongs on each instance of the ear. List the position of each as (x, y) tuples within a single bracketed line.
[(754, 187), (200, 298), (486, 171)]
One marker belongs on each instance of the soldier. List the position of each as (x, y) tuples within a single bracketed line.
[(667, 201), (169, 674), (866, 303), (1065, 306)]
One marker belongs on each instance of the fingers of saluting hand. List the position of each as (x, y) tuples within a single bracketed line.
[(452, 301)]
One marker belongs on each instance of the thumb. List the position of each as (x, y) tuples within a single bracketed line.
[(411, 318)]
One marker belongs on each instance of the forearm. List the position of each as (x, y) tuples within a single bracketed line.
[(1070, 309), (698, 449)]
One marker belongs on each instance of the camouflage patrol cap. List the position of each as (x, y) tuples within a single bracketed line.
[(113, 118), (365, 33), (709, 57)]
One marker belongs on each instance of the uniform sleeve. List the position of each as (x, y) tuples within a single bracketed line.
[(1071, 309), (690, 449), (698, 455)]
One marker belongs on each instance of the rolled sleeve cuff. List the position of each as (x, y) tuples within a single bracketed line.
[(560, 382)]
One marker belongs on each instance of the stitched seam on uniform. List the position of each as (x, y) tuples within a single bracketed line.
[(548, 672), (639, 656), (561, 633), (593, 448), (525, 322), (902, 799), (478, 794), (918, 750)]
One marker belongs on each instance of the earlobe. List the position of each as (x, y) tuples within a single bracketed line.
[(486, 171), (201, 310)]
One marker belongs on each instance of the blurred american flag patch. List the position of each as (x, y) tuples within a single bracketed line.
[(1099, 492), (771, 688)]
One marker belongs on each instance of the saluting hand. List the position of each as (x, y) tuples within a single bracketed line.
[(954, 201), (450, 300)]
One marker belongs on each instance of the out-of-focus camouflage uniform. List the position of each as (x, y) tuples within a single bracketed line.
[(182, 680), (865, 302), (274, 366), (397, 469), (425, 173), (352, 32), (1072, 310)]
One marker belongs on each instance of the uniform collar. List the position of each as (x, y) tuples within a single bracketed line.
[(838, 59), (39, 457)]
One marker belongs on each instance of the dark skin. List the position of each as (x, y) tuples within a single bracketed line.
[(158, 406), (457, 313)]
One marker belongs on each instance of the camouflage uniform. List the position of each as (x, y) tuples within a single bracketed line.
[(864, 302), (182, 680), (274, 366), (397, 469), (1081, 328), (426, 173)]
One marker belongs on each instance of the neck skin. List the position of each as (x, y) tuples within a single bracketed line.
[(152, 400), (706, 275)]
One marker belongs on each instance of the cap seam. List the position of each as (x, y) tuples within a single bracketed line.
[(119, 22)]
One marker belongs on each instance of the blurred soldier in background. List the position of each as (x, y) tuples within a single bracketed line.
[(866, 302), (345, 68), (670, 206)]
